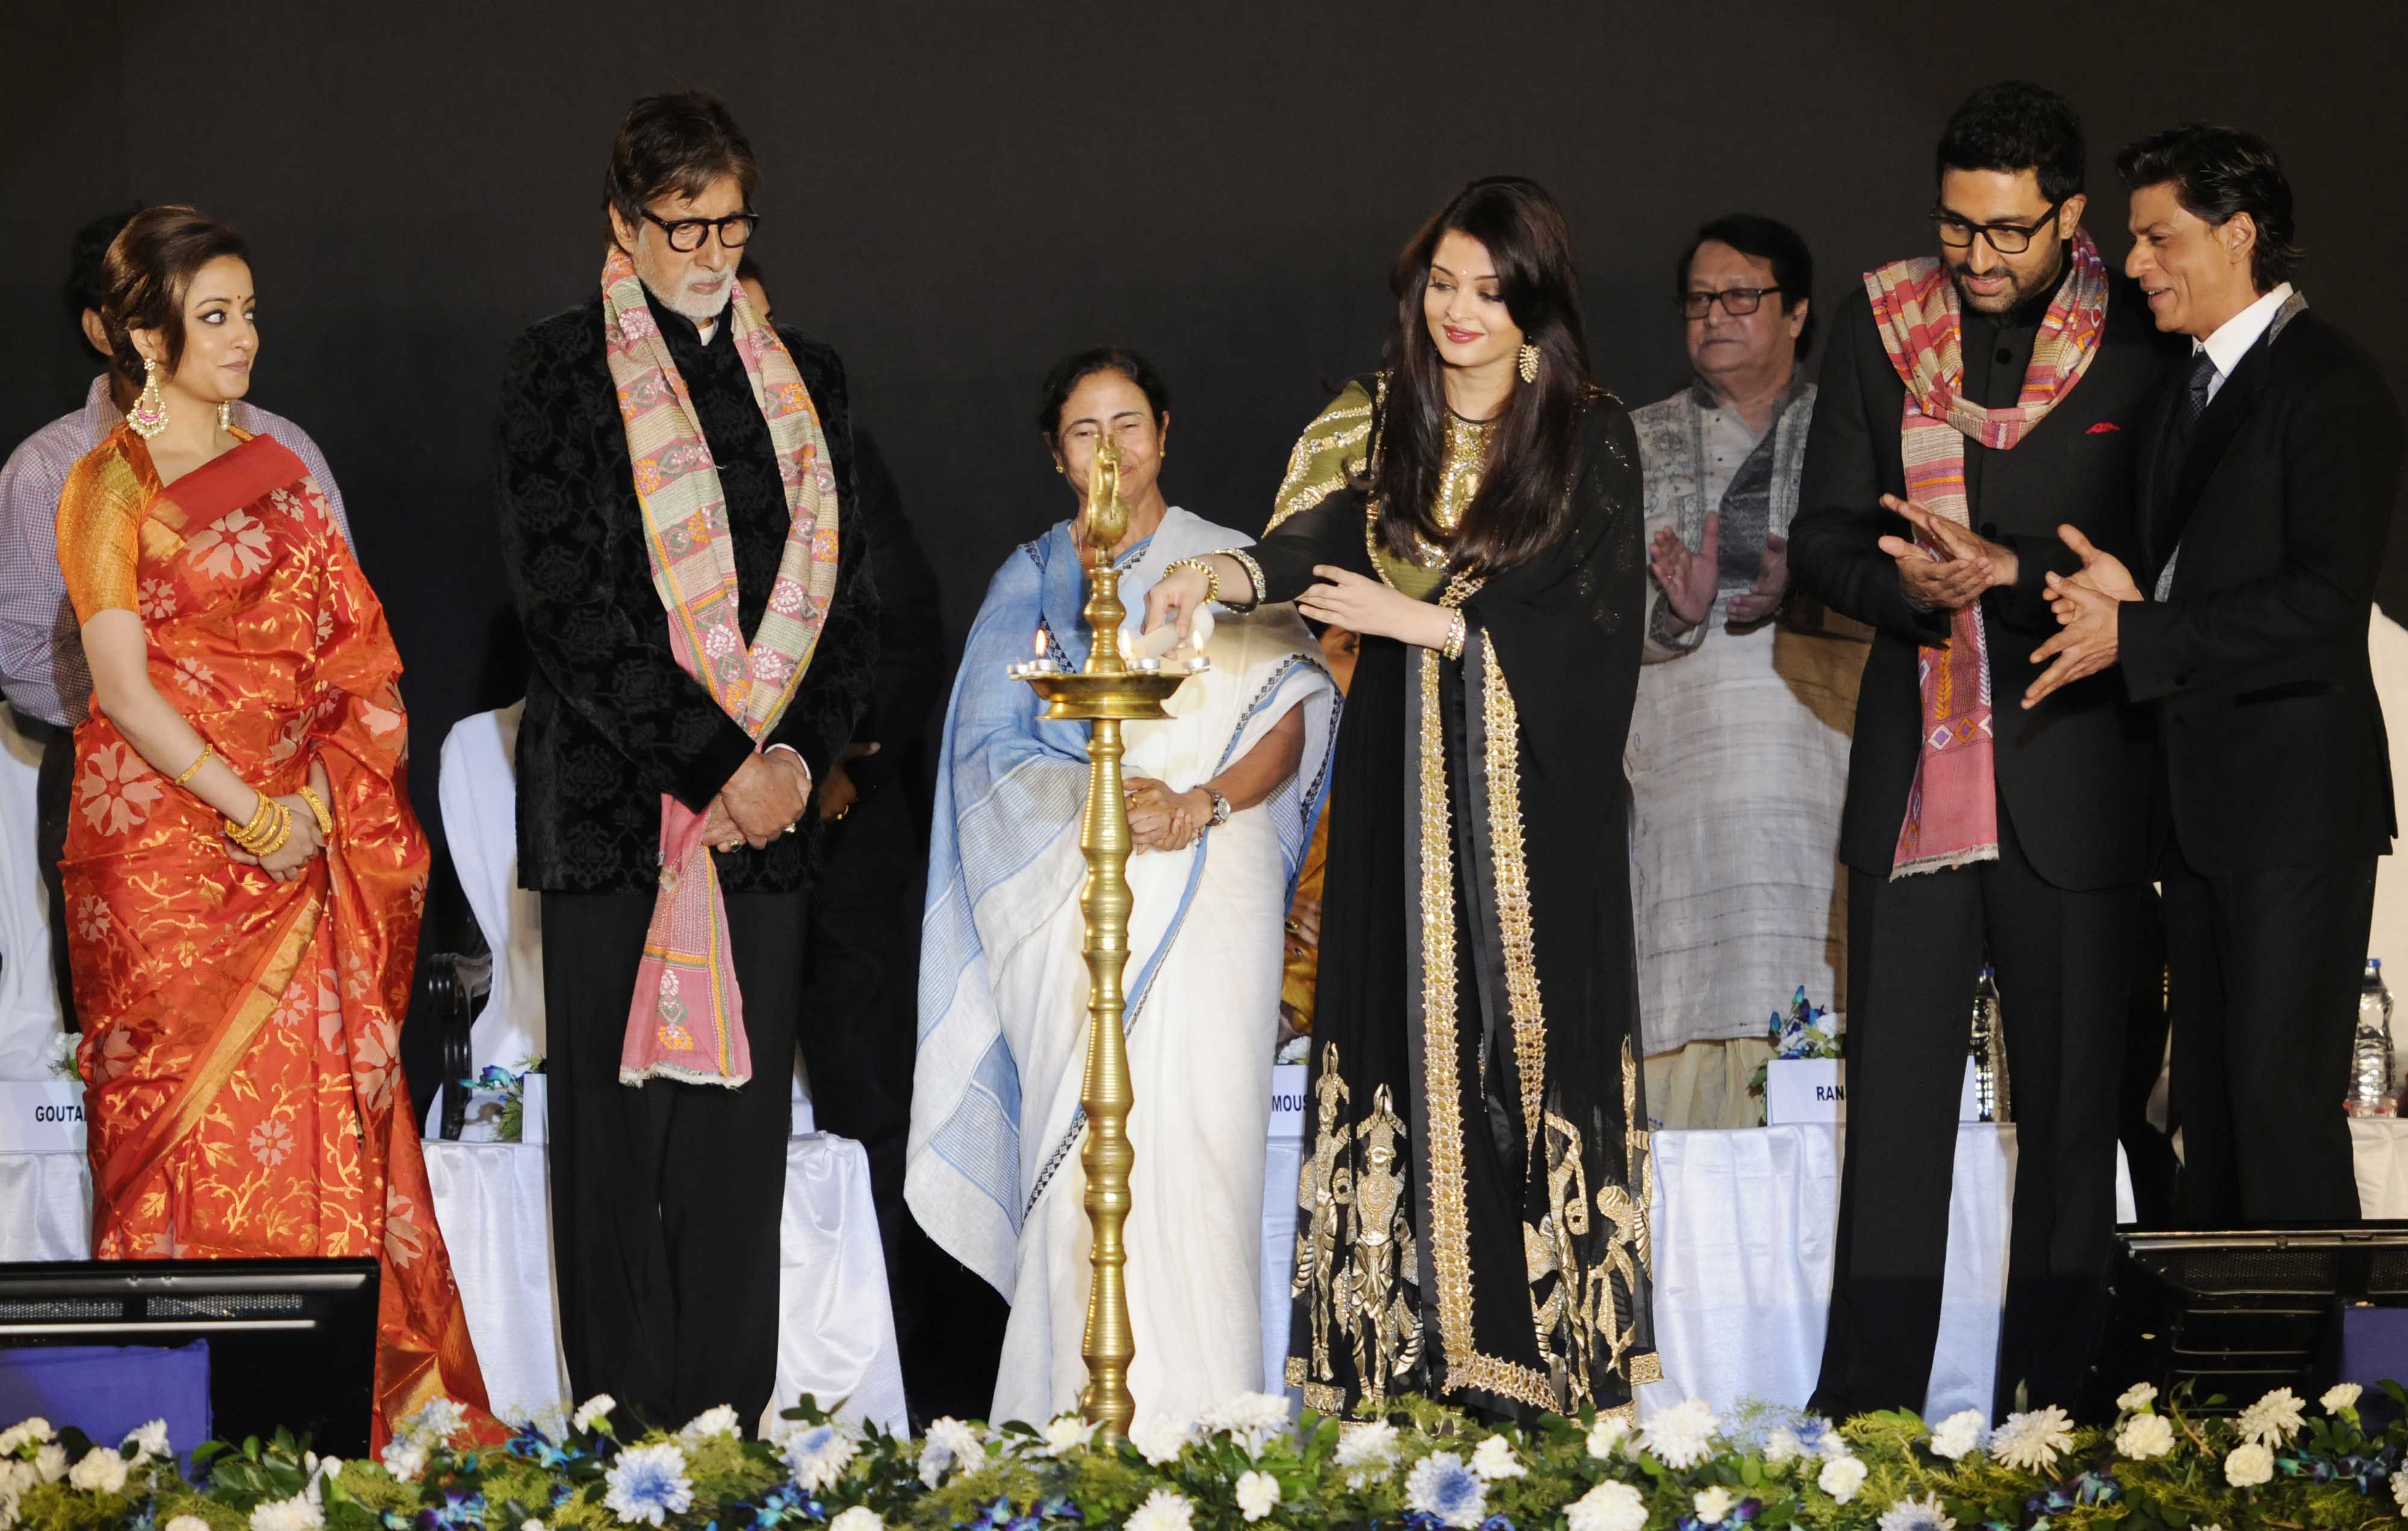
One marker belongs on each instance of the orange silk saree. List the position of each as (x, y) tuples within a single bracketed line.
[(241, 1037)]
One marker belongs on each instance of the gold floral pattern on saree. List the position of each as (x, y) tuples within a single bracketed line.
[(1355, 1252)]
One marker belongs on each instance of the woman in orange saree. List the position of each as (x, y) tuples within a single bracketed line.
[(241, 1009)]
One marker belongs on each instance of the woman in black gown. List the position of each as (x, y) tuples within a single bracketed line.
[(1472, 1214)]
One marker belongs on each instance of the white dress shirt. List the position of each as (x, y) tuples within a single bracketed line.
[(2235, 335)]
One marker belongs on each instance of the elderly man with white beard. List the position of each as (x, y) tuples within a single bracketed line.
[(676, 497)]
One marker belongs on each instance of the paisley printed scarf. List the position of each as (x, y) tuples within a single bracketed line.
[(687, 1020), (1952, 812)]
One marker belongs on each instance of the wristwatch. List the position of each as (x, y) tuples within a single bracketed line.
[(1220, 808)]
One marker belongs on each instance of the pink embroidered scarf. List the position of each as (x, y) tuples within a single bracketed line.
[(687, 1020), (1952, 812)]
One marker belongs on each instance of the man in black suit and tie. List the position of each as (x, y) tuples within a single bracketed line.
[(2268, 478), (1935, 521)]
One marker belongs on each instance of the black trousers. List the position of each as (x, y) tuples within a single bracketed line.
[(861, 1019), (2064, 974), (52, 795), (666, 1199), (2265, 968)]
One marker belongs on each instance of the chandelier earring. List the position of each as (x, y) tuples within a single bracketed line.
[(1526, 363), (148, 416), (225, 416)]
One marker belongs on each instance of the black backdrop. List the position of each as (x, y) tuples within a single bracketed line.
[(955, 195)]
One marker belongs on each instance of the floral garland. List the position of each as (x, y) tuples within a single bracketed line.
[(1246, 1465)]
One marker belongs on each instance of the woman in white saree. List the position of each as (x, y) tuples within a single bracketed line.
[(1223, 795)]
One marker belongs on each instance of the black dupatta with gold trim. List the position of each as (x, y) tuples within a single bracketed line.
[(1472, 1216)]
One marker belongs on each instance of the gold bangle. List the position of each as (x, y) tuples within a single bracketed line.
[(193, 770), (282, 833), (1456, 633), (317, 811), (1203, 567), (261, 817)]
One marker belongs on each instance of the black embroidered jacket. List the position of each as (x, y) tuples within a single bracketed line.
[(611, 721)]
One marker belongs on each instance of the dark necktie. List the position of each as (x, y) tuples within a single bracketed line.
[(2175, 510), (2203, 372)]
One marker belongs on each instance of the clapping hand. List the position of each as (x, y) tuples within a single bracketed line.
[(2086, 612), (1949, 566), (1764, 598), (1687, 578)]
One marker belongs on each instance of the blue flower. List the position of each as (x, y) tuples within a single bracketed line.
[(457, 1512), (535, 1446), (1497, 1523), (1061, 1508), (1443, 1487)]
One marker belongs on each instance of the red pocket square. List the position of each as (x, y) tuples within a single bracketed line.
[(2102, 428)]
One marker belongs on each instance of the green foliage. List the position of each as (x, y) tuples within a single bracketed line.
[(1761, 1468)]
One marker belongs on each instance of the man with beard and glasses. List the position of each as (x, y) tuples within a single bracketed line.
[(677, 504), (1970, 404)]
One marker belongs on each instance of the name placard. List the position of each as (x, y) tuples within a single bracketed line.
[(1288, 1086), (1800, 1090), (41, 1116)]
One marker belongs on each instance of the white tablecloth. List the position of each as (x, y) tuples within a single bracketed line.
[(835, 1335), (2380, 1145)]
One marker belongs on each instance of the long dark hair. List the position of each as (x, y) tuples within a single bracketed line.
[(1521, 507)]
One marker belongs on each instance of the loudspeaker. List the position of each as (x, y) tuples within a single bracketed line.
[(292, 1342), (2235, 1314)]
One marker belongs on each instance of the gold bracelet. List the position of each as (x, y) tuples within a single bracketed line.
[(1456, 633), (260, 818), (193, 770), (317, 811), (1203, 567), (282, 833)]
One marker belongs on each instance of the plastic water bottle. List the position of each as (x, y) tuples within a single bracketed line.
[(2370, 1056), (1988, 1049)]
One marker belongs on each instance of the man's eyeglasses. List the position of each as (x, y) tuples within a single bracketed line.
[(2006, 238), (1738, 302), (686, 234)]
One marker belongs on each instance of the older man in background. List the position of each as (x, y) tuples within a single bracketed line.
[(1737, 756), (42, 668)]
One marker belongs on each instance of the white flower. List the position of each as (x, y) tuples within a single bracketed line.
[(147, 1441), (2139, 1395), (1249, 1419), (1370, 1444), (1163, 1510), (818, 1456), (1444, 1488), (2400, 1490), (2145, 1437), (2249, 1465), (51, 1462), (2272, 1419), (17, 1435), (951, 1447), (1159, 1438), (712, 1421), (1841, 1477), (2033, 1441), (523, 1525), (1917, 1515), (1682, 1436), (1067, 1434), (101, 1471), (1609, 1507), (1957, 1435), (294, 1514), (439, 1420), (1258, 1494), (648, 1484), (1783, 1447), (187, 1522), (1606, 1435), (593, 1411), (2340, 1396), (1712, 1504), (1495, 1460), (404, 1458), (857, 1518)]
